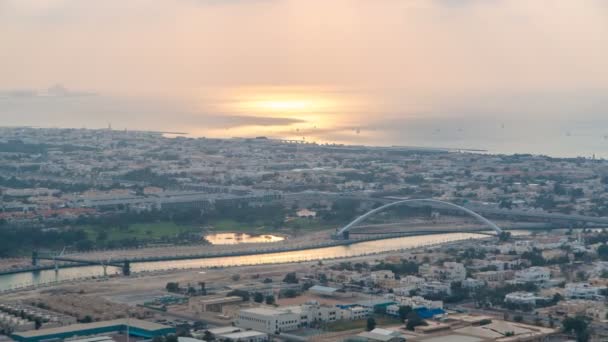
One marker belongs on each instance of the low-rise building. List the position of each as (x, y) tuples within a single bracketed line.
[(276, 320), (522, 298), (435, 288), (268, 320), (536, 275), (584, 291), (382, 335), (244, 336)]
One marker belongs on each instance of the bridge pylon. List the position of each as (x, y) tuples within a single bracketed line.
[(35, 258)]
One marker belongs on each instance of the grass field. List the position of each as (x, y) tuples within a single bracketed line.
[(163, 230), (141, 231), (305, 224), (299, 224)]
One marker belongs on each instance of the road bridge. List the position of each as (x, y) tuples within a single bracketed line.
[(343, 233), (486, 211)]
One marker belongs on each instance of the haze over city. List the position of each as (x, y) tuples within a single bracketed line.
[(303, 171), (506, 76)]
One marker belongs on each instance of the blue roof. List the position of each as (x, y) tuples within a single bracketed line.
[(428, 313)]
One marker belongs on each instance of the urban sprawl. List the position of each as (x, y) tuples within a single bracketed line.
[(110, 235)]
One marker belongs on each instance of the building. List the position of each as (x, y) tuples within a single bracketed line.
[(276, 320), (383, 335), (415, 302), (212, 304), (323, 290), (136, 328), (268, 320), (454, 272), (449, 272), (382, 277), (522, 298), (584, 291), (435, 288), (244, 336), (537, 275), (355, 312), (411, 281), (472, 284), (495, 276)]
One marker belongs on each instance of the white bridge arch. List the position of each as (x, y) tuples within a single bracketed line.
[(343, 232)]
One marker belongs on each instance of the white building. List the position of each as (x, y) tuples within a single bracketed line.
[(382, 335), (435, 287), (268, 320), (244, 336), (583, 291), (415, 302), (522, 298), (382, 276), (273, 320), (537, 275), (449, 272), (454, 272), (355, 313), (411, 281), (472, 284)]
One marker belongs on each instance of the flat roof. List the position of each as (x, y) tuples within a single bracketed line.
[(453, 338), (266, 311), (223, 330), (323, 289), (244, 334), (220, 300), (135, 323)]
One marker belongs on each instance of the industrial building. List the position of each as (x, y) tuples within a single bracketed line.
[(135, 327)]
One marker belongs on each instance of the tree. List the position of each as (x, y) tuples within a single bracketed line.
[(504, 236), (290, 278), (371, 324), (191, 290), (288, 293), (602, 252), (323, 278), (518, 318), (270, 300), (86, 319), (236, 277), (172, 287), (208, 336), (258, 297), (414, 320), (576, 324), (239, 293), (171, 338), (404, 310)]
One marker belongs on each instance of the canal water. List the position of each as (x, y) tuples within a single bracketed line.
[(12, 281), (238, 238)]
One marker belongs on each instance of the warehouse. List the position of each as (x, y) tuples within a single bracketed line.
[(137, 328)]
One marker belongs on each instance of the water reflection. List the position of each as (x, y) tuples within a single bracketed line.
[(237, 238), (370, 247)]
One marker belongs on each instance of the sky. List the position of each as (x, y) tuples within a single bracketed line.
[(508, 75)]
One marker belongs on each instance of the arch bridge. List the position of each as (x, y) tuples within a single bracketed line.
[(343, 233)]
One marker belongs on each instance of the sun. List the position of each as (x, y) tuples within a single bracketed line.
[(284, 105)]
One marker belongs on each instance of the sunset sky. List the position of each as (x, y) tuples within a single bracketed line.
[(362, 71)]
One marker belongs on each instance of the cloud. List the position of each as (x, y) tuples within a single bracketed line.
[(59, 106), (56, 90)]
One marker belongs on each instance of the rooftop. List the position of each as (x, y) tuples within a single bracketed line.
[(135, 323)]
